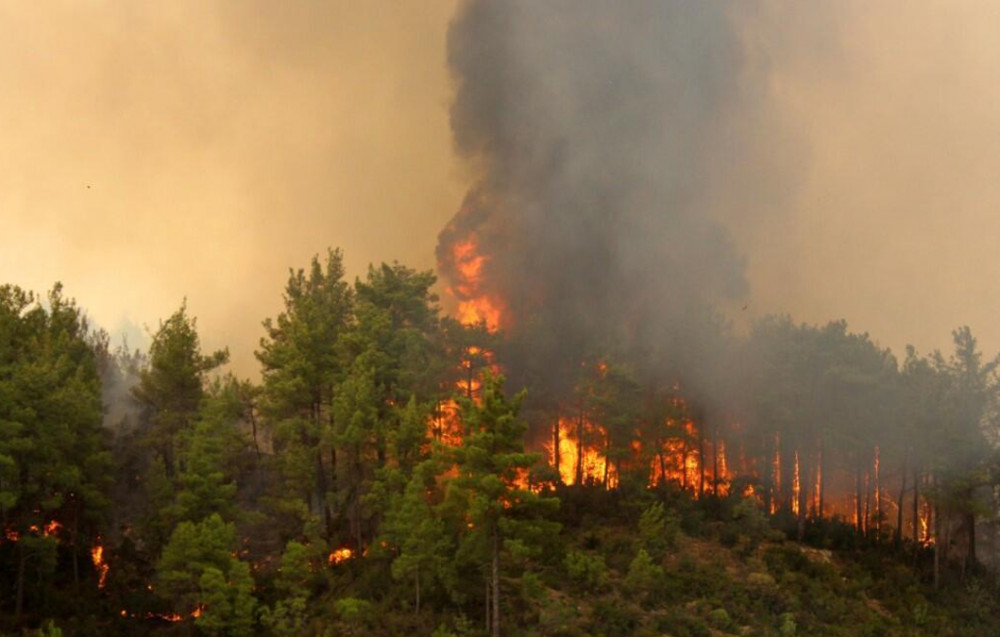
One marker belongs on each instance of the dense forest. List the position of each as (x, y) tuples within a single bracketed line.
[(382, 477)]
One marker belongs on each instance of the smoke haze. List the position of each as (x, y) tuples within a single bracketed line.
[(824, 159), (157, 150)]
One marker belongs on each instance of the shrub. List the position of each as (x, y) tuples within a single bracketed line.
[(353, 611), (720, 619), (788, 625), (643, 574), (658, 529), (588, 571)]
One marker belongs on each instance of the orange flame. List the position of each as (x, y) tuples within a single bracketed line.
[(341, 555), (97, 556), (475, 305)]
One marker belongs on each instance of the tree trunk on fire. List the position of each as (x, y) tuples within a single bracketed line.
[(701, 461), (916, 507), (579, 447)]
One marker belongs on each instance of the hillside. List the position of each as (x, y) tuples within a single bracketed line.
[(717, 567)]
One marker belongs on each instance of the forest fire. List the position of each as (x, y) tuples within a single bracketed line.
[(97, 557), (475, 304), (341, 555)]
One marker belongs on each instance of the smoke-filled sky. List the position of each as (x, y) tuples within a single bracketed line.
[(153, 151)]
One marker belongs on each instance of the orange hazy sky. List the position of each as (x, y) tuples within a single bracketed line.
[(159, 150)]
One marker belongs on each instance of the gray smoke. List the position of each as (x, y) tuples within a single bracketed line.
[(609, 141)]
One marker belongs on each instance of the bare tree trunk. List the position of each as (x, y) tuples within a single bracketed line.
[(820, 473), (701, 460), (715, 460), (22, 558), (253, 429), (684, 465), (804, 490), (495, 579), (970, 522), (556, 459), (579, 446), (916, 507), (607, 457), (937, 552), (858, 499), (768, 475), (902, 496), (868, 502), (321, 492)]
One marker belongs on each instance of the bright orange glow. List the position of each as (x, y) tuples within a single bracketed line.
[(97, 556), (585, 455), (475, 304), (341, 555), (796, 486)]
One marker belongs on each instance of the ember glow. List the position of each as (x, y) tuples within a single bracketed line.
[(97, 556), (341, 555)]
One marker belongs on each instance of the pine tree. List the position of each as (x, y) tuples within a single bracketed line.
[(303, 362), (500, 516)]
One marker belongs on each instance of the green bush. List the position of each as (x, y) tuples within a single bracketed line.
[(788, 625), (720, 619), (585, 570), (643, 574)]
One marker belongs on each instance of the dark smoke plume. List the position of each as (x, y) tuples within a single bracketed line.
[(600, 134)]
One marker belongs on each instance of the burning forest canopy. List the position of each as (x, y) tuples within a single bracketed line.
[(585, 388)]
